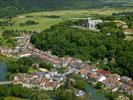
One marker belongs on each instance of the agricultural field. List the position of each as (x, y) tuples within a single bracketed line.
[(49, 18)]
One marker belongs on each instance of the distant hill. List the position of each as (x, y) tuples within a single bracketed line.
[(13, 7)]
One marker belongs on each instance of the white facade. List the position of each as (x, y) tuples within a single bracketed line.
[(101, 79), (91, 24)]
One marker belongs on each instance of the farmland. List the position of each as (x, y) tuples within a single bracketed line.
[(49, 18)]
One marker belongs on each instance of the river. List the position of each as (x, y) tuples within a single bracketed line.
[(3, 71), (94, 94)]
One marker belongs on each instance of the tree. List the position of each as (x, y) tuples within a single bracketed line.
[(99, 85), (46, 65), (100, 52), (111, 96)]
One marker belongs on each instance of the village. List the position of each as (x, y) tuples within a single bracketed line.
[(53, 80)]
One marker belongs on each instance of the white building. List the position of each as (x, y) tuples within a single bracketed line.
[(91, 24)]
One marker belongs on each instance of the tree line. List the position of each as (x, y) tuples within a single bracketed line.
[(10, 8)]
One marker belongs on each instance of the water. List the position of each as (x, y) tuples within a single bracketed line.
[(94, 94), (3, 71)]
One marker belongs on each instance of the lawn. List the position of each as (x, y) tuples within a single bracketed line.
[(45, 23)]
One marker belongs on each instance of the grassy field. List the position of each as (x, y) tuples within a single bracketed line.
[(13, 98), (45, 23)]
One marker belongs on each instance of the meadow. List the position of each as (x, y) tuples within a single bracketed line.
[(45, 22)]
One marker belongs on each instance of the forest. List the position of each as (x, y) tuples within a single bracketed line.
[(63, 40), (9, 8)]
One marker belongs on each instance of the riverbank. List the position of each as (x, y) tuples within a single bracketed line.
[(6, 59)]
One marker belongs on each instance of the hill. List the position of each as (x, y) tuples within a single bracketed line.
[(63, 40), (13, 7)]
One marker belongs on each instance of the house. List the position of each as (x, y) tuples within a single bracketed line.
[(84, 71), (49, 84), (111, 84), (79, 93), (125, 79), (130, 83), (75, 64), (24, 54), (5, 50), (102, 72), (35, 75), (114, 76), (36, 80), (93, 76), (120, 23), (56, 62), (52, 85), (66, 60), (101, 78), (21, 17), (126, 88), (128, 31)]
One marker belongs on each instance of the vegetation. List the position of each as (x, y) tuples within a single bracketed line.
[(28, 23), (127, 17), (99, 85), (20, 65), (63, 40), (12, 7), (6, 23), (10, 33), (21, 92), (46, 65), (111, 96), (45, 19)]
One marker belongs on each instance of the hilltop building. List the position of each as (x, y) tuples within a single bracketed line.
[(91, 24)]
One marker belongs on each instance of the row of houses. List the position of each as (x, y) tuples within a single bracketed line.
[(55, 60), (46, 81), (114, 82)]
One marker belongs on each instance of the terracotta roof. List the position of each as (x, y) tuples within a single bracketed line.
[(101, 71), (56, 61), (51, 84), (45, 80), (84, 70), (94, 75)]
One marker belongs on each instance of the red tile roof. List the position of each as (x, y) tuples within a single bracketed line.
[(94, 76), (101, 71), (84, 70)]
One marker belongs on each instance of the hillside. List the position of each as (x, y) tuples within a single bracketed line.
[(13, 7), (63, 40)]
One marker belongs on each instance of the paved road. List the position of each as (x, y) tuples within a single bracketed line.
[(5, 82), (69, 72)]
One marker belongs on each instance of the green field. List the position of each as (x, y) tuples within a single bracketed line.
[(45, 23), (13, 98)]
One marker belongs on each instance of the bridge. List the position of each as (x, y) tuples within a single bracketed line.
[(5, 82)]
